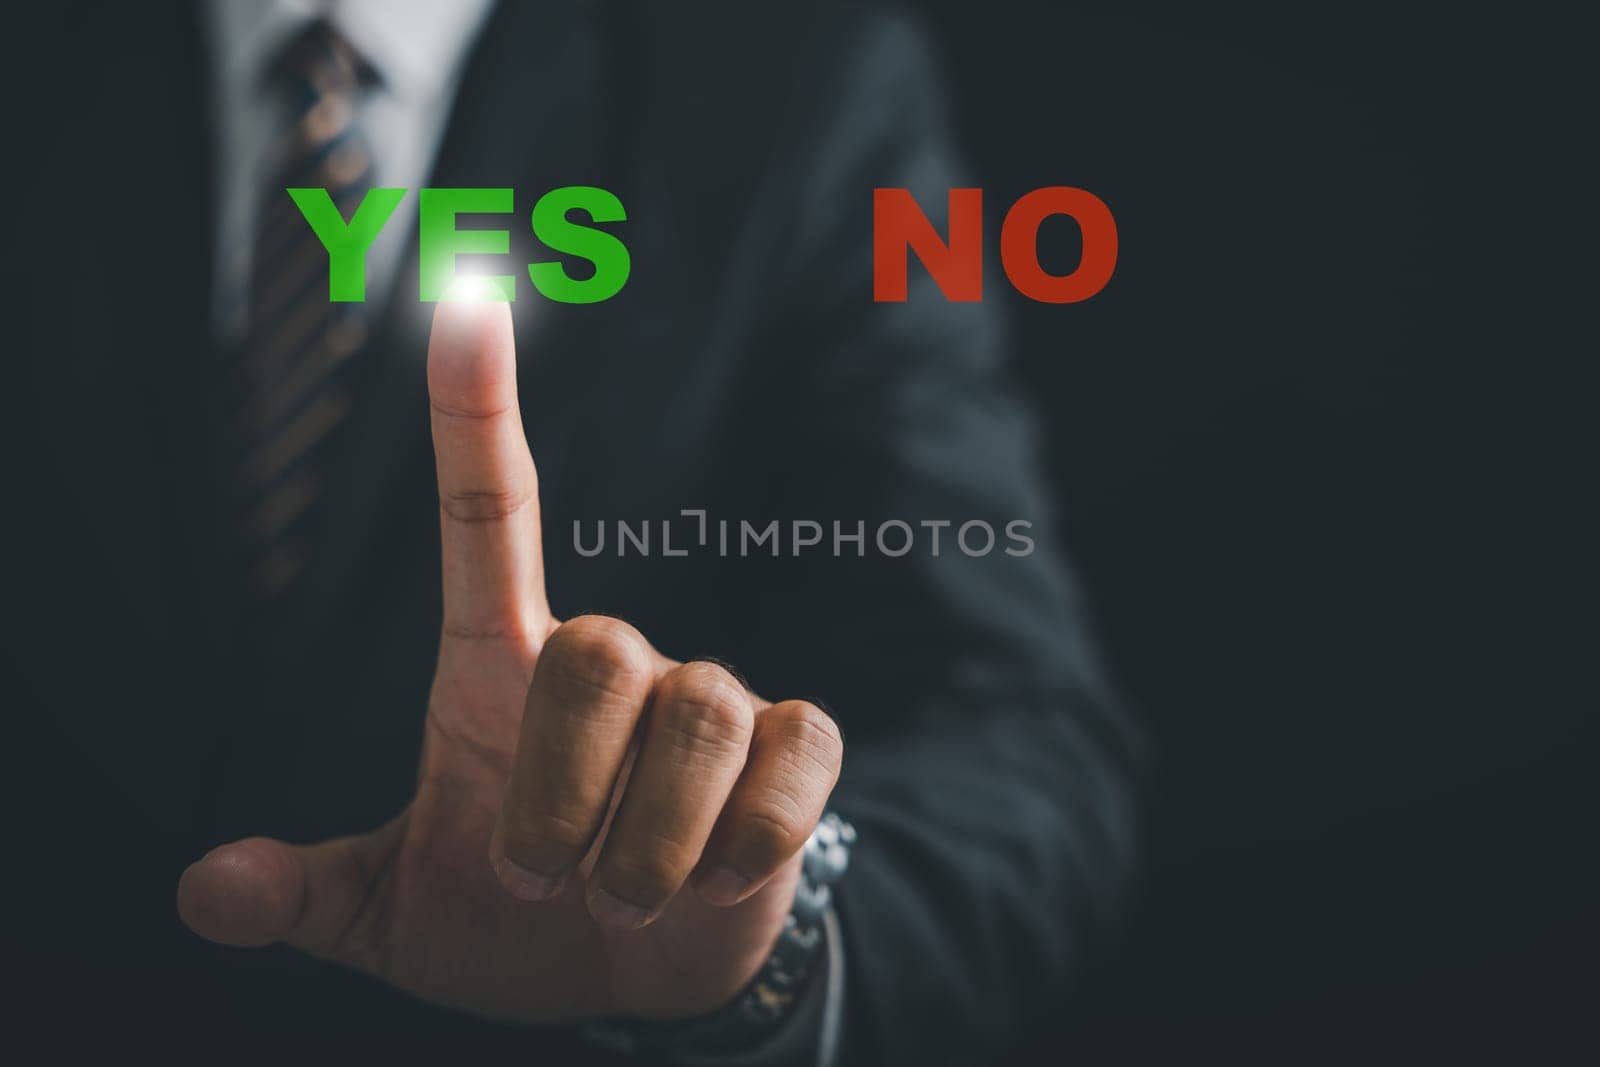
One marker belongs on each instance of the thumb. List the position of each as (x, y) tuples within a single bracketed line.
[(325, 899)]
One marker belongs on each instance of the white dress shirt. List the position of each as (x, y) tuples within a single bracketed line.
[(418, 49)]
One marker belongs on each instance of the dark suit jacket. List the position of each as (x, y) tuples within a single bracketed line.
[(744, 369)]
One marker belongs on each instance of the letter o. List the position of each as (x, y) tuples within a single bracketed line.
[(1019, 245), (961, 537), (910, 537)]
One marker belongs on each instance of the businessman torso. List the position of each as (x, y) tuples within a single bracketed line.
[(156, 716)]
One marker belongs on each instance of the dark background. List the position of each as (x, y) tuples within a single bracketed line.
[(1310, 459), (1322, 470)]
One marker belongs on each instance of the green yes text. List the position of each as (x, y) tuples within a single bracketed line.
[(439, 241)]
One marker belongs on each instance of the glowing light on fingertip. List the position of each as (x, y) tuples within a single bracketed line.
[(473, 289)]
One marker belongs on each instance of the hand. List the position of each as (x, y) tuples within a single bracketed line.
[(597, 829)]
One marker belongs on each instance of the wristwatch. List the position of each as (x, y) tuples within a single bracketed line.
[(769, 998)]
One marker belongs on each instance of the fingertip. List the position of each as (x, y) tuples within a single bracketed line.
[(608, 909), (526, 885), (246, 894), (725, 887), (522, 882), (472, 356)]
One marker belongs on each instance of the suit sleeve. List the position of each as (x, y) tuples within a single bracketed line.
[(988, 763)]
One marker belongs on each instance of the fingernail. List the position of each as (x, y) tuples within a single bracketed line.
[(724, 887), (525, 884), (614, 911)]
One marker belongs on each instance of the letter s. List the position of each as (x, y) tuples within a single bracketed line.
[(608, 254)]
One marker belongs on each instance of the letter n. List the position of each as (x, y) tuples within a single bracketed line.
[(898, 223)]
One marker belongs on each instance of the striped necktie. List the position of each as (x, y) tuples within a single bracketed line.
[(290, 387)]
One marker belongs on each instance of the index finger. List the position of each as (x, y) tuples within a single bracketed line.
[(488, 488)]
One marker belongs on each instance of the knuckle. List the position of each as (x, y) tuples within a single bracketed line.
[(772, 827), (463, 412), (478, 506), (810, 734), (705, 707), (597, 652)]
